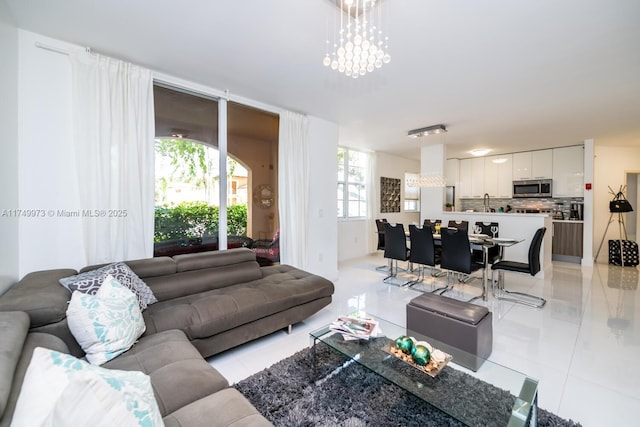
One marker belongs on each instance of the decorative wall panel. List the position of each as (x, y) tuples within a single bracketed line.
[(390, 194)]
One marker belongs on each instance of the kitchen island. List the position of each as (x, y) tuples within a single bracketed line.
[(515, 225)]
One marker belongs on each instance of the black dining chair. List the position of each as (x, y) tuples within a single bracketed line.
[(532, 268), (431, 223), (493, 252), (380, 233), (395, 249), (423, 251), (460, 225), (456, 256)]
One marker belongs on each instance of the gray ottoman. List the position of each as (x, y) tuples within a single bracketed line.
[(463, 330)]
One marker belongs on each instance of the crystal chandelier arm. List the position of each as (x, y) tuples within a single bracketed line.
[(426, 180)]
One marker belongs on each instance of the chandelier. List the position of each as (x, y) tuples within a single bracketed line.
[(360, 46), (425, 180)]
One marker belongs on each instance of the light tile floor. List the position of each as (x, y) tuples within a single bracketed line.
[(583, 346)]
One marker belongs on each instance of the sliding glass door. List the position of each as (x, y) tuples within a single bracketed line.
[(252, 142), (206, 183)]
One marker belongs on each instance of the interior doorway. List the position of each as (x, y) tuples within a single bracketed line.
[(633, 196)]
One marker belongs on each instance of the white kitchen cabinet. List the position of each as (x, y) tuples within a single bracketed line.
[(497, 176), (568, 172), (491, 176), (477, 175), (533, 165), (466, 178), (522, 166), (472, 178), (481, 175), (505, 182), (542, 164)]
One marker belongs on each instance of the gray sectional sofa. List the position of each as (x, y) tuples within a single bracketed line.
[(219, 299), (207, 302)]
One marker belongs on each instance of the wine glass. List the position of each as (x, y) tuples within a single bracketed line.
[(494, 230), (477, 229)]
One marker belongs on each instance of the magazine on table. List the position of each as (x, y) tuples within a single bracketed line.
[(355, 328)]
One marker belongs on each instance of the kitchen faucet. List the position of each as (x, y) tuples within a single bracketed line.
[(486, 202)]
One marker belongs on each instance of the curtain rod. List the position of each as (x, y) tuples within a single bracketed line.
[(57, 49), (170, 83), (51, 48)]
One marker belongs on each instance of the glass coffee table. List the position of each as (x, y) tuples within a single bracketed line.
[(494, 395)]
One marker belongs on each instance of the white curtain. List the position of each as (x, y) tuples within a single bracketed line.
[(113, 123), (293, 188), (373, 202)]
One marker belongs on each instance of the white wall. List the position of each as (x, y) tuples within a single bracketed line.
[(357, 238), (8, 148), (395, 167), (46, 177), (610, 168), (322, 257), (352, 235)]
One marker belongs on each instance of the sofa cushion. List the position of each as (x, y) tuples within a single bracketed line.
[(205, 271), (178, 372), (50, 372), (14, 326), (37, 295), (146, 267), (105, 324), (208, 313), (90, 281), (202, 260), (207, 412)]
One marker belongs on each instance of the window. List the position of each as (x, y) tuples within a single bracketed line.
[(352, 194), (411, 192), (187, 196)]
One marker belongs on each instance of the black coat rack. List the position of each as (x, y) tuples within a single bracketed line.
[(617, 206)]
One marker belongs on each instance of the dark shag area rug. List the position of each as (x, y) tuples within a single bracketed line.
[(350, 395)]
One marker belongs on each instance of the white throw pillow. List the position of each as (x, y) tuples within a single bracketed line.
[(105, 324), (89, 401), (51, 372)]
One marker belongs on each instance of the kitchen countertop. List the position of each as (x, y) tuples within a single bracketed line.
[(518, 214), (579, 221)]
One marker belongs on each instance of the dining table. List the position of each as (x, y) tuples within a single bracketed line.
[(483, 242)]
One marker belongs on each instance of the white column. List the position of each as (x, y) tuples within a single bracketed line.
[(222, 150), (587, 234), (432, 160)]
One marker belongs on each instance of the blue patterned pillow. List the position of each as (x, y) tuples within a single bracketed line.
[(89, 282), (105, 324), (51, 373)]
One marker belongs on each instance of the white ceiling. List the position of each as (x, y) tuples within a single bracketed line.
[(503, 74)]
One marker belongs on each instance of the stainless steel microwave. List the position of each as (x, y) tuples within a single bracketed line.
[(532, 188)]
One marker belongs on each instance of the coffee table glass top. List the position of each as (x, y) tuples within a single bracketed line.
[(494, 395)]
